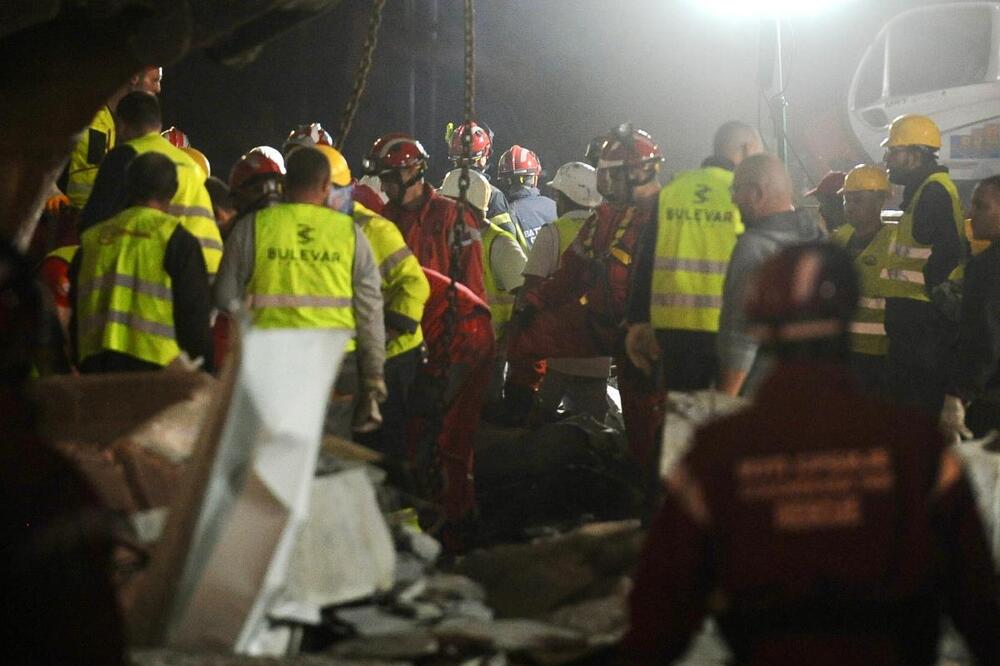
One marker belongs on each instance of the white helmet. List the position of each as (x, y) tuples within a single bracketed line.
[(578, 181), (479, 192)]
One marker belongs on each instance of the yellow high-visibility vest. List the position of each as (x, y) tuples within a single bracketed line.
[(65, 252), (697, 227), (124, 297), (568, 227), (501, 302), (904, 271), (868, 325), (97, 139), (405, 289), (191, 203), (303, 268)]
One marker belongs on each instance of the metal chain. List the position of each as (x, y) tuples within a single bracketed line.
[(433, 472), (361, 78)]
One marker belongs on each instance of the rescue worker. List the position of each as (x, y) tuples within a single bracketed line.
[(301, 264), (867, 239), (459, 373), (256, 180), (503, 262), (817, 526), (518, 171), (427, 220), (831, 201), (139, 125), (597, 269), (677, 293), (929, 246), (763, 192), (480, 150), (578, 384), (976, 375), (222, 204), (404, 293), (138, 282), (99, 138)]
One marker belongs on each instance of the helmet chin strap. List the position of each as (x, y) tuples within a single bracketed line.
[(395, 175)]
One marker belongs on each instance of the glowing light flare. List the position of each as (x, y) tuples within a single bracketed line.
[(776, 8)]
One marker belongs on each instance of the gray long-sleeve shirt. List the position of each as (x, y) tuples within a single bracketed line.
[(762, 238), (238, 263)]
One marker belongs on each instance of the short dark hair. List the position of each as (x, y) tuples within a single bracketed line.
[(150, 177), (139, 110), (991, 181), (219, 193), (306, 168)]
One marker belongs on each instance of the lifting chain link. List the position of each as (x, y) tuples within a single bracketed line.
[(361, 78), (432, 467)]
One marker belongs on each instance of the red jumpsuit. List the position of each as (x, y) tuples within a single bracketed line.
[(819, 527), (469, 360), (428, 232), (581, 310)]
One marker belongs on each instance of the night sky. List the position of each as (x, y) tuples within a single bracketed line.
[(550, 75)]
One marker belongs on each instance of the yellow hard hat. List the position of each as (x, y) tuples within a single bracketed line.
[(913, 130), (340, 173), (199, 159), (866, 178)]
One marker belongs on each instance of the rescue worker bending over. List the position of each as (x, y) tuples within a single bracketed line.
[(404, 293), (138, 281), (976, 375), (817, 526), (867, 239), (579, 310), (300, 264), (682, 263), (503, 261), (139, 125), (928, 247), (518, 171), (763, 192), (480, 149), (427, 220), (578, 384)]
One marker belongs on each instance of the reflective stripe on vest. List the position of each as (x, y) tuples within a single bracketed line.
[(191, 203), (85, 160), (867, 327), (507, 220), (66, 253), (125, 299), (501, 302), (697, 227), (395, 263), (906, 258), (303, 268)]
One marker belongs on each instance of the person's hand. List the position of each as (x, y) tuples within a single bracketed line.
[(952, 420), (641, 346), (375, 387)]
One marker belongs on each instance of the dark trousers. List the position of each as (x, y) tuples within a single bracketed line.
[(688, 358), (921, 352), (390, 439), (870, 371)]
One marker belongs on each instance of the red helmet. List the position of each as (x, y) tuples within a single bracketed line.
[(312, 134), (394, 151), (481, 143), (518, 161), (626, 146), (804, 292), (176, 137), (260, 163)]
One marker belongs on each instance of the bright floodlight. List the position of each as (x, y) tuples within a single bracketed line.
[(777, 8)]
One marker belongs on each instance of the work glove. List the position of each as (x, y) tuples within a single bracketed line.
[(367, 415), (952, 420), (641, 346)]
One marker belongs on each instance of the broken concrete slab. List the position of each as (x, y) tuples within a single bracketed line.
[(163, 657), (532, 580), (519, 635), (409, 646), (344, 551)]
